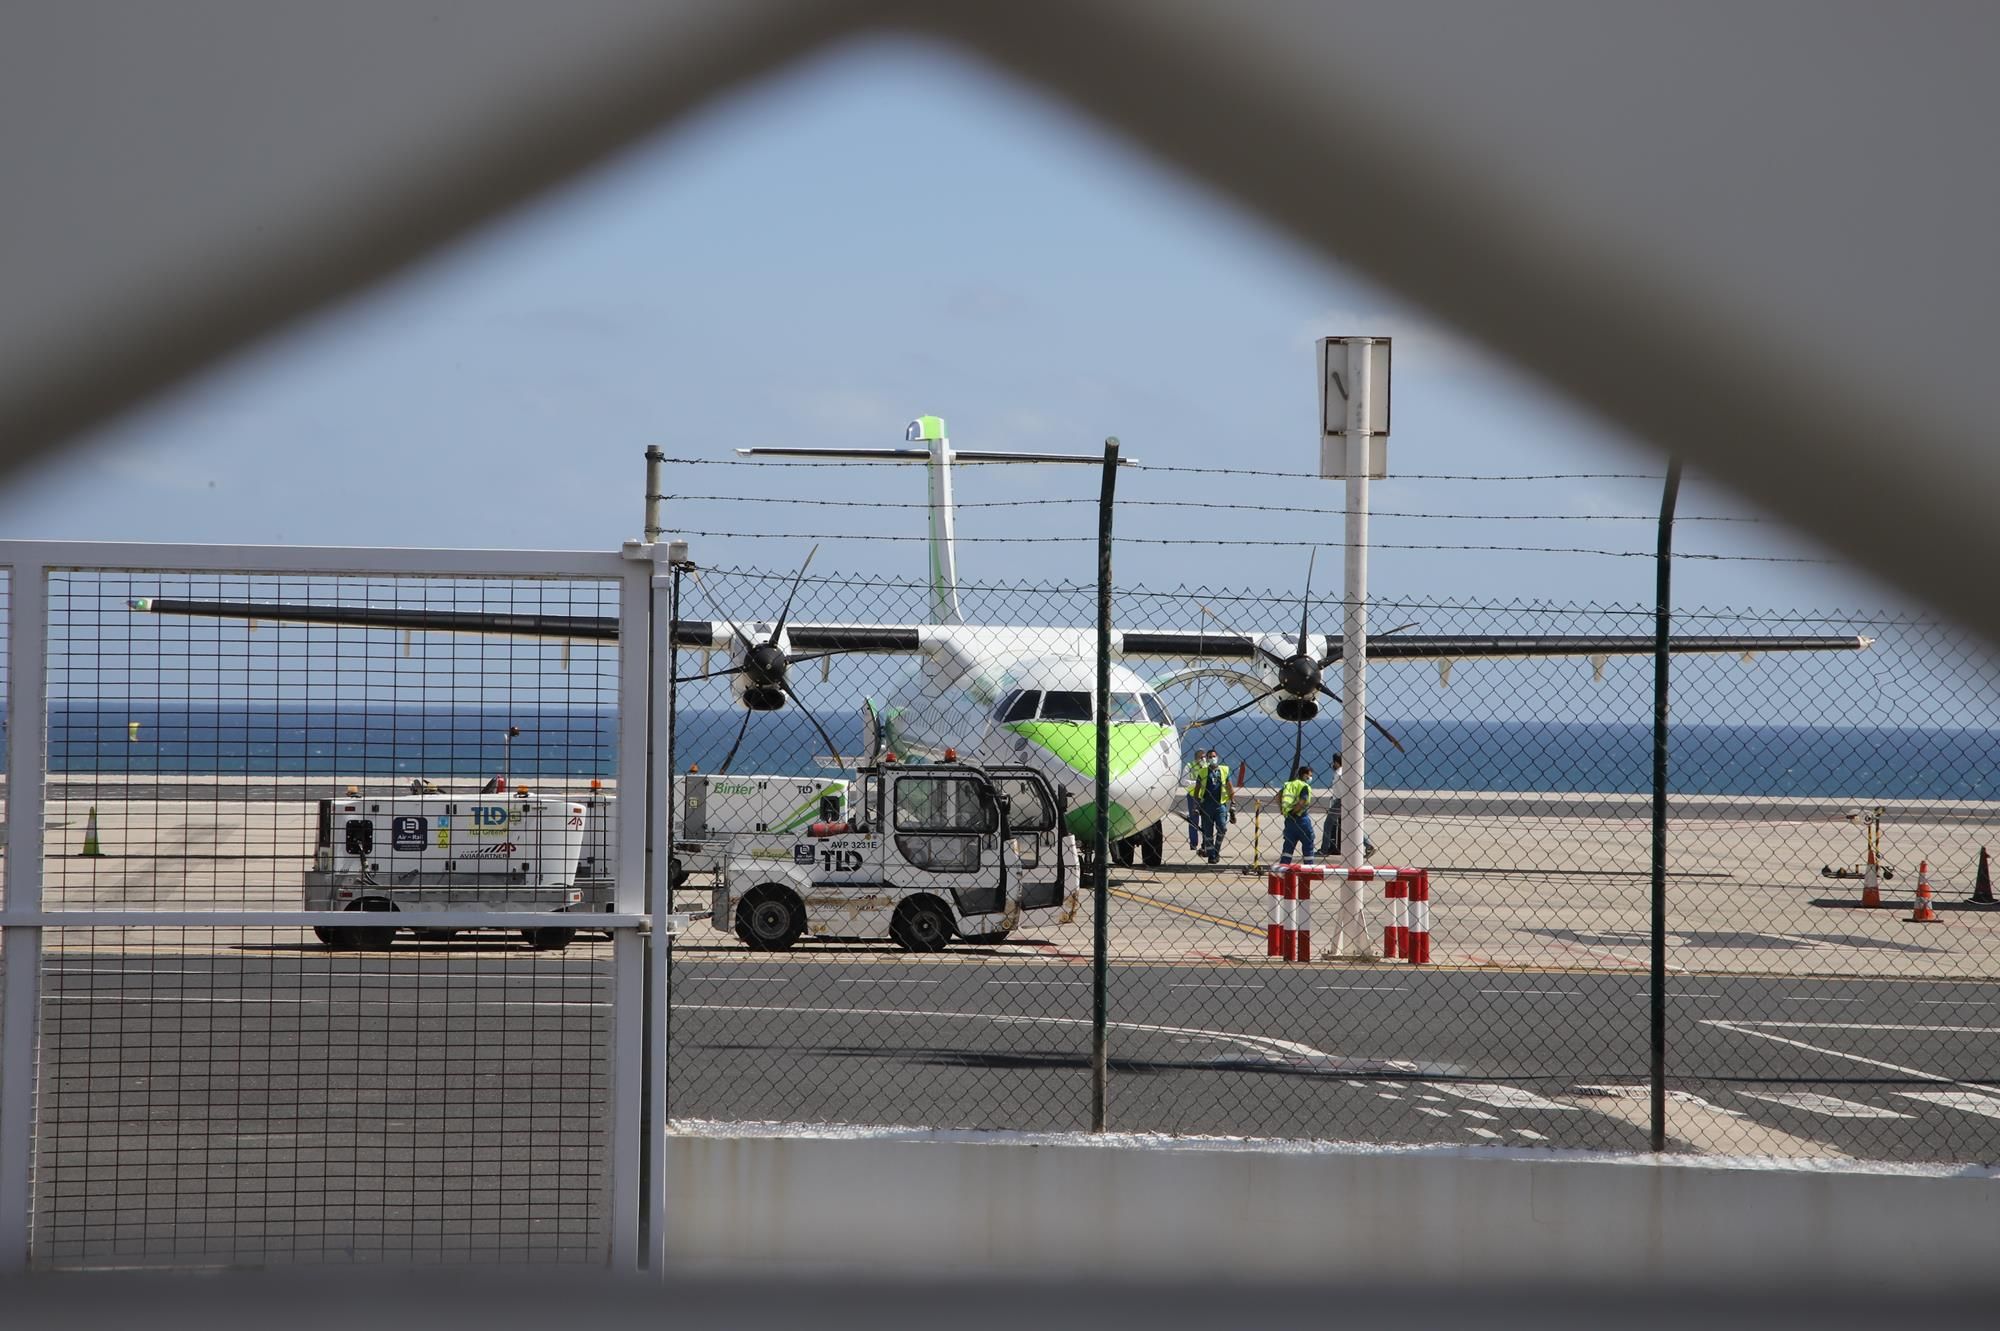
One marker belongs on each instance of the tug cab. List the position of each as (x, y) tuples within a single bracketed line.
[(933, 851)]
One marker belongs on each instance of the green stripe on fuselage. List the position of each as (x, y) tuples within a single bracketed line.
[(1075, 742)]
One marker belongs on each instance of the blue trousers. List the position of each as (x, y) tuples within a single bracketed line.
[(1194, 822), (1214, 818), (1298, 832)]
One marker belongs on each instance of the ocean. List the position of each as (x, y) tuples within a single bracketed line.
[(1857, 763)]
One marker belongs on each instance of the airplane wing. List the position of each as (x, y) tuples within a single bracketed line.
[(888, 639), (1224, 646)]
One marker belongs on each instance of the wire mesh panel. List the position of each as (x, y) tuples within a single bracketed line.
[(243, 1096), (1509, 758), (191, 741), (235, 743)]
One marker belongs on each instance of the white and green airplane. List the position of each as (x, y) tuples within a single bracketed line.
[(1020, 694)]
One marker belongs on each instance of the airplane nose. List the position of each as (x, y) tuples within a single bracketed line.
[(1139, 796)]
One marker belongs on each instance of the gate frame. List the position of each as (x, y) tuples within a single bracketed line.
[(27, 565)]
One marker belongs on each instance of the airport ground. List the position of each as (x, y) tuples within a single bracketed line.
[(183, 1064)]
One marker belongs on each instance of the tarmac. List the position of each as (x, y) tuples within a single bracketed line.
[(1519, 881)]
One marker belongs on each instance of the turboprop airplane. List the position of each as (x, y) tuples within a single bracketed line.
[(1020, 694)]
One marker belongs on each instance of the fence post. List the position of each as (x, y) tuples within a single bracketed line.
[(20, 1023), (1100, 1058), (1664, 571), (629, 1153)]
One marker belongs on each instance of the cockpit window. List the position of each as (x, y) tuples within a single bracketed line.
[(1156, 712), (1018, 705), (1128, 707), (1066, 706), (1006, 700)]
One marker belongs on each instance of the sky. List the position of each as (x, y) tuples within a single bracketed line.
[(885, 231)]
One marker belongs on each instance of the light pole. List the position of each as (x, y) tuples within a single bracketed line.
[(507, 756), (1354, 446)]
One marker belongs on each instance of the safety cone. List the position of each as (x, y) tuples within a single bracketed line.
[(90, 846), (1923, 914)]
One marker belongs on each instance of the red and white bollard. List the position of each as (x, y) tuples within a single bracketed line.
[(1395, 934), (1276, 885), (1417, 947), (1299, 933)]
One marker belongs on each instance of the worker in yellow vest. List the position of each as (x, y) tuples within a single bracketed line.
[(1214, 806), (1295, 802), (1197, 775)]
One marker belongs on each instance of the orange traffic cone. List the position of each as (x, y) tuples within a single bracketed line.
[(1923, 914), (1982, 888)]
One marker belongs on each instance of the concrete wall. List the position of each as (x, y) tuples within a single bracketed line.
[(896, 1201)]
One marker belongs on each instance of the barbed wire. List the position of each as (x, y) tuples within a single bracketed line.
[(1171, 467), (962, 504), (1266, 542)]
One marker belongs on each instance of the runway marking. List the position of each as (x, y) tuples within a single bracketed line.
[(1368, 988), (1387, 1095), (1869, 1026), (1499, 1097), (1530, 1134), (1155, 902), (1262, 1044), (1218, 985), (1434, 1113), (1984, 1105), (1745, 1028), (1814, 1103), (1075, 984), (842, 979), (1484, 1132), (1571, 992), (1480, 1114)]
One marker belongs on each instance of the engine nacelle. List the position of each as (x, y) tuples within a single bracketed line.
[(759, 684)]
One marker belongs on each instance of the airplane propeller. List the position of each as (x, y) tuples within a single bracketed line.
[(766, 667), (1299, 677)]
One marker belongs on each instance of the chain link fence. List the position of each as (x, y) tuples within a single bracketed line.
[(877, 830), (1510, 758)]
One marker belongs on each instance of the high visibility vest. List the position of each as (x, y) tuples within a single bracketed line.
[(1295, 796), (1196, 775), (1218, 783)]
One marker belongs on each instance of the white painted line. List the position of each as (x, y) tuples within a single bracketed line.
[(1434, 1113), (1647, 993), (1863, 1026), (1368, 988), (1484, 1132), (1746, 1028), (1075, 983), (1480, 1114), (1814, 1103), (1434, 1099), (1529, 1133), (1224, 987), (1499, 1097), (1984, 1105), (842, 979), (1791, 999), (1955, 1002), (741, 979), (1570, 992), (1387, 1095), (1262, 1044)]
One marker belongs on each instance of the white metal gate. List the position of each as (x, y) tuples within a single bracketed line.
[(186, 1076)]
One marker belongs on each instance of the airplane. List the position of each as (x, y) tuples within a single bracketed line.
[(1021, 694)]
